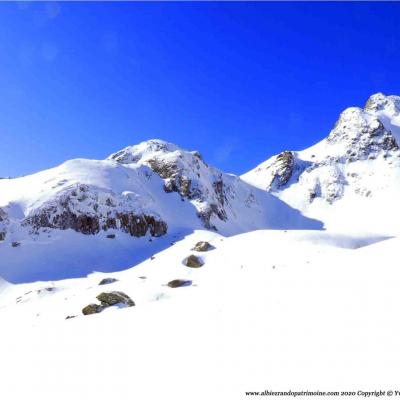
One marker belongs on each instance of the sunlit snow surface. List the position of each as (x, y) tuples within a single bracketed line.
[(269, 309)]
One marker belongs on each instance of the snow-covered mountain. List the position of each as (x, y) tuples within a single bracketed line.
[(351, 179), (89, 214), (270, 300)]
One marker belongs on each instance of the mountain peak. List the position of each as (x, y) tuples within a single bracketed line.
[(143, 150), (379, 102), (360, 135)]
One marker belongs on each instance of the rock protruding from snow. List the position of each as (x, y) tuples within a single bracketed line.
[(88, 210), (193, 261), (179, 283), (202, 246), (92, 309), (108, 299), (281, 170), (107, 281), (4, 221)]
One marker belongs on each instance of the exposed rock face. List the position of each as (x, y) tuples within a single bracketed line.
[(112, 298), (283, 166), (4, 221), (202, 246), (87, 210), (193, 261)]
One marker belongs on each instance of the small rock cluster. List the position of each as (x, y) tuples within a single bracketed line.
[(194, 261), (108, 299)]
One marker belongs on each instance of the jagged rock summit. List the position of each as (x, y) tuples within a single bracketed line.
[(351, 179)]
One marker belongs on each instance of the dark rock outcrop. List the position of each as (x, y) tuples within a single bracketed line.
[(107, 281), (283, 165), (3, 224), (202, 246), (179, 283), (112, 298), (193, 261), (78, 208), (108, 299), (92, 309)]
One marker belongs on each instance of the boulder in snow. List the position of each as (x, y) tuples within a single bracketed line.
[(193, 261), (179, 283), (202, 246), (92, 309), (107, 281), (112, 298)]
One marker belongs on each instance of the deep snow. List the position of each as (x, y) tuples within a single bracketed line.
[(268, 310)]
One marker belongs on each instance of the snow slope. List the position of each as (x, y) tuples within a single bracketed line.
[(351, 179), (322, 316)]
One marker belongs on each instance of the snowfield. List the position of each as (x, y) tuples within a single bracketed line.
[(268, 310), (283, 279)]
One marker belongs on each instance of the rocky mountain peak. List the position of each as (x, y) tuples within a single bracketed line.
[(360, 135), (379, 102)]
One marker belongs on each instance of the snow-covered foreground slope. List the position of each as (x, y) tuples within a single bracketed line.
[(87, 215), (351, 179), (267, 310)]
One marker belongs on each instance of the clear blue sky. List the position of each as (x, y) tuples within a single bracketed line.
[(237, 81)]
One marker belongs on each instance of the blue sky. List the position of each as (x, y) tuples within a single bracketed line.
[(237, 81)]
